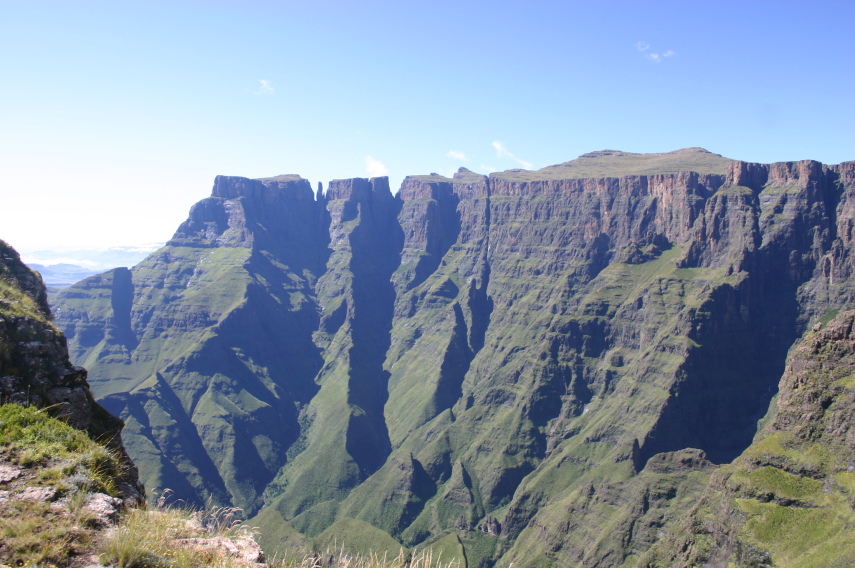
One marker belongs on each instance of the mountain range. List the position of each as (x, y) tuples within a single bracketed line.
[(575, 366), (65, 266)]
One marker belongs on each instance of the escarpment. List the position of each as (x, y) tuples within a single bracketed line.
[(492, 359)]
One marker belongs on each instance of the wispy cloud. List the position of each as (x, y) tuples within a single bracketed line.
[(457, 155), (644, 48), (503, 152), (488, 169), (265, 88), (374, 167)]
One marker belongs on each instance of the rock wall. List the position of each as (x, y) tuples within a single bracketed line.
[(788, 499), (471, 355)]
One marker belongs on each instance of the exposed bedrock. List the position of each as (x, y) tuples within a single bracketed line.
[(473, 354)]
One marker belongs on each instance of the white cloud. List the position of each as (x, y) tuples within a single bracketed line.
[(654, 56), (457, 155), (488, 169), (150, 247), (374, 167), (265, 89), (503, 152)]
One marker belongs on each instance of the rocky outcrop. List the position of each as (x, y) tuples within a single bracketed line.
[(786, 501), (244, 550), (63, 504), (474, 353), (34, 366)]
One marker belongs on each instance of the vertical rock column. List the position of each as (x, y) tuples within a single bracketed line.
[(344, 437)]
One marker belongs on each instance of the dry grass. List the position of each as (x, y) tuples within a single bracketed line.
[(55, 456), (343, 560), (33, 534), (155, 538), (152, 538)]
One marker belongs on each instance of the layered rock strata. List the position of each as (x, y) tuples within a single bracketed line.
[(488, 357)]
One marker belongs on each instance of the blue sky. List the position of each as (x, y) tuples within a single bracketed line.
[(116, 116)]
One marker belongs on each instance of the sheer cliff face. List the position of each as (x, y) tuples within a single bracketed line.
[(475, 355)]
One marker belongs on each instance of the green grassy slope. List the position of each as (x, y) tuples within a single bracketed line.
[(613, 517), (50, 456), (788, 499), (206, 351)]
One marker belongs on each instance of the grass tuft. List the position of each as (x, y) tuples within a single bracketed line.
[(156, 538), (31, 437), (341, 559), (152, 538), (53, 455)]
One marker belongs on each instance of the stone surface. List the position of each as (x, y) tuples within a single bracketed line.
[(242, 549), (9, 472), (131, 496), (35, 494), (104, 508)]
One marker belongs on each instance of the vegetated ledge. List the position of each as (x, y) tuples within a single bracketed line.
[(58, 490), (61, 507)]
